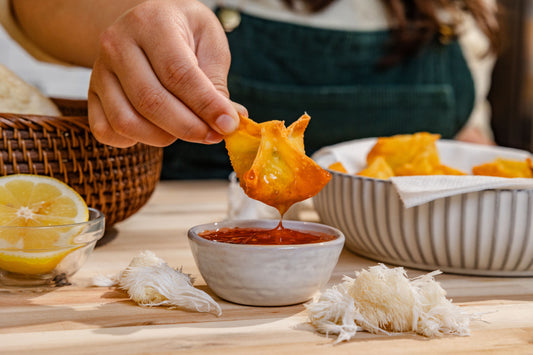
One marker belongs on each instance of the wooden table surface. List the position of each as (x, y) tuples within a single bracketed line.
[(83, 319)]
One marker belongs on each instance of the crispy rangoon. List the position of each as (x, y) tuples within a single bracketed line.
[(379, 169), (416, 154), (506, 168), (407, 151), (270, 162), (337, 166), (406, 154)]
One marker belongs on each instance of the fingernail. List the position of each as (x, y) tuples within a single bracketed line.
[(240, 109), (213, 137), (226, 124)]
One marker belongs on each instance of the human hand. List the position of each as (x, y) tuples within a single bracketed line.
[(474, 135), (160, 75)]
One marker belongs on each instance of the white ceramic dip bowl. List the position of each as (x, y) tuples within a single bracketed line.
[(265, 275)]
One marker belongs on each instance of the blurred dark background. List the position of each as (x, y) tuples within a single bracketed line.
[(511, 94)]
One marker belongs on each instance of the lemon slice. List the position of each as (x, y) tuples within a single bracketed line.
[(37, 201), (31, 263)]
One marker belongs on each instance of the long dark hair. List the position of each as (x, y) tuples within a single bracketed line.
[(415, 23)]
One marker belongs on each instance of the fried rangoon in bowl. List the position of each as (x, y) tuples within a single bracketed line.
[(417, 154), (483, 232)]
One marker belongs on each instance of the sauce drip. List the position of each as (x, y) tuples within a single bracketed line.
[(262, 236)]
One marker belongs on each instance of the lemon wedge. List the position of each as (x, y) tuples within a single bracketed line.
[(28, 201)]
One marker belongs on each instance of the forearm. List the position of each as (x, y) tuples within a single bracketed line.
[(69, 30)]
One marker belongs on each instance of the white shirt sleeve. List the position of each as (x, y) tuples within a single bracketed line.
[(476, 50)]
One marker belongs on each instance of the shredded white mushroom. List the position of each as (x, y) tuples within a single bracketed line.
[(383, 300), (150, 281)]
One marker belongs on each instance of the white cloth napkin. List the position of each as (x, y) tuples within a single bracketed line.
[(416, 190)]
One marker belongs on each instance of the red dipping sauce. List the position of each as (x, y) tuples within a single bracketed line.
[(262, 236)]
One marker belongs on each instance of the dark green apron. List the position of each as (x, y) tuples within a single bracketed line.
[(280, 70)]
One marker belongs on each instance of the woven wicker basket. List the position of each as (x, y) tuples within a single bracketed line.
[(117, 181)]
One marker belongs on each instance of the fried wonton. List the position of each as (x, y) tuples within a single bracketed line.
[(337, 166), (270, 162), (411, 150), (379, 169), (506, 168), (406, 154)]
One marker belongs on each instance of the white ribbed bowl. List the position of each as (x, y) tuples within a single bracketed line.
[(479, 233)]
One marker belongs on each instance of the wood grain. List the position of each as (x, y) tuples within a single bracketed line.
[(83, 319)]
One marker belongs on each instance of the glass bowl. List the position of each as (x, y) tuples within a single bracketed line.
[(53, 263)]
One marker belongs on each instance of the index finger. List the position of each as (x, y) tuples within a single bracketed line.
[(196, 77)]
